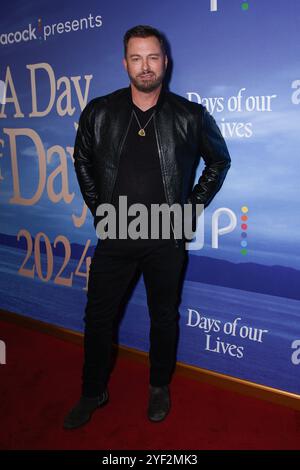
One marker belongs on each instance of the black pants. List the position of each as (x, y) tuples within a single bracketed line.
[(113, 266)]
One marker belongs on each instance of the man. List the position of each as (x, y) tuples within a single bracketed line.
[(142, 142)]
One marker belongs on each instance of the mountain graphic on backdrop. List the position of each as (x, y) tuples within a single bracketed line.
[(273, 280)]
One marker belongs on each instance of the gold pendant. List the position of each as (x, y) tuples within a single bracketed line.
[(142, 133)]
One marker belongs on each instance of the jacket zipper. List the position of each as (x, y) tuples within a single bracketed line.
[(119, 153), (164, 181)]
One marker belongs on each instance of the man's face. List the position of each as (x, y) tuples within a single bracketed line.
[(145, 63)]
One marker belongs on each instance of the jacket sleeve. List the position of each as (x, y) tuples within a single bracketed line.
[(83, 160), (214, 152)]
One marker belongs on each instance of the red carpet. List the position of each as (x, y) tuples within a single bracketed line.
[(41, 381)]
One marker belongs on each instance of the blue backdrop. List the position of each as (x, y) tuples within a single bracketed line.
[(240, 306)]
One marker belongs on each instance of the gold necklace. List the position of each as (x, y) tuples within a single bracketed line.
[(142, 132)]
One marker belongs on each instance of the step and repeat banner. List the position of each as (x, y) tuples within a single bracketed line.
[(240, 304)]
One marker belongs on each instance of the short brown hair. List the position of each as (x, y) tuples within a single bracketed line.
[(144, 31)]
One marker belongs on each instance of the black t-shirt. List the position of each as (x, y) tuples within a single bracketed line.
[(139, 174)]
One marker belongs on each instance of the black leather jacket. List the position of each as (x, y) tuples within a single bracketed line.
[(184, 131)]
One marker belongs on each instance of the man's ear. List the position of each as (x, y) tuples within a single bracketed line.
[(125, 63), (166, 61)]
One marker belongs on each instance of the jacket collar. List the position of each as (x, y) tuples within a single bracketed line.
[(160, 100)]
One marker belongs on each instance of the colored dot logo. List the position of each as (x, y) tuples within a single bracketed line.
[(40, 28), (244, 227), (245, 6)]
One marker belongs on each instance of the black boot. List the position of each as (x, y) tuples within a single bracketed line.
[(82, 412), (159, 403)]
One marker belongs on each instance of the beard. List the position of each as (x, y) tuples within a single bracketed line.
[(147, 85)]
